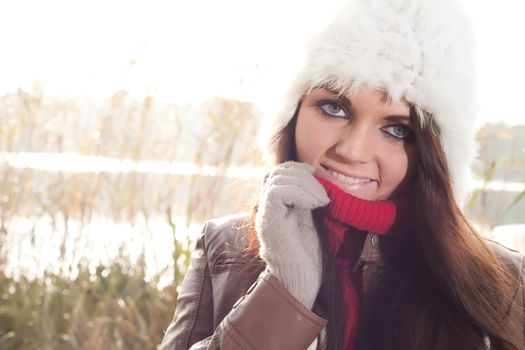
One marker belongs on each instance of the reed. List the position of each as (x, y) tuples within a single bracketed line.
[(115, 304)]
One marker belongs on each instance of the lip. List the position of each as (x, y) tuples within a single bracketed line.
[(328, 168), (364, 190)]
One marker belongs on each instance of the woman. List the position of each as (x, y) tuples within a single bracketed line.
[(358, 240)]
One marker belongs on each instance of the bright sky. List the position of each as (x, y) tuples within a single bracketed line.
[(185, 51)]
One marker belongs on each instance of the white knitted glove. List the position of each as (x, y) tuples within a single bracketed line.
[(284, 225)]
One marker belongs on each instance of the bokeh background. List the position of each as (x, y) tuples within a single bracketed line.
[(125, 124)]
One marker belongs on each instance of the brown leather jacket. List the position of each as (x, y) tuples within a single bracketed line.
[(227, 301)]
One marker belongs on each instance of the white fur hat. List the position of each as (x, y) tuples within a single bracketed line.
[(418, 50)]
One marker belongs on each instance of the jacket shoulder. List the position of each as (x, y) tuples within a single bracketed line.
[(508, 256), (514, 260), (225, 236), (226, 225)]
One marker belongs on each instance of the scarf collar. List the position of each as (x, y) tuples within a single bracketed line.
[(381, 217)]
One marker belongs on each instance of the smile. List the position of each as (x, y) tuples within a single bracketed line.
[(348, 180)]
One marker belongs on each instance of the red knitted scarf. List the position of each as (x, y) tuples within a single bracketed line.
[(348, 219)]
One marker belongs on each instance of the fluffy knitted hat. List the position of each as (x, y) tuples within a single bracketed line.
[(417, 50)]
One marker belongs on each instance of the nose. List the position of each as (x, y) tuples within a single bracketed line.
[(355, 144)]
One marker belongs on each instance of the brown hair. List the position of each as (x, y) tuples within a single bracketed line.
[(445, 280)]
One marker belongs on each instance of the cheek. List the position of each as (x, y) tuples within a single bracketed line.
[(305, 146), (312, 139), (398, 167)]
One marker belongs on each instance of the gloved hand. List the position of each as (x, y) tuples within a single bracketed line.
[(288, 240)]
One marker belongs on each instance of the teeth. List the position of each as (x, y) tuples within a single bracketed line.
[(347, 179)]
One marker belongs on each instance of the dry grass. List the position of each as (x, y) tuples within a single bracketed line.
[(114, 306)]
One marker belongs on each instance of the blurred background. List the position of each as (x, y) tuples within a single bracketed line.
[(125, 124)]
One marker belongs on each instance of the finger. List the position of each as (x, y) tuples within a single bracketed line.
[(297, 165), (308, 184), (294, 196), (289, 168)]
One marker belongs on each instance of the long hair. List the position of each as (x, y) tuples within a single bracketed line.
[(443, 284)]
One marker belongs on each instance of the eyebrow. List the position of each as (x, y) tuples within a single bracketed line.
[(399, 118), (340, 96)]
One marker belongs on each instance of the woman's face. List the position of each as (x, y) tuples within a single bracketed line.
[(363, 143)]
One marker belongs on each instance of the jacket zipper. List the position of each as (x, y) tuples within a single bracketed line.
[(361, 263), (363, 279)]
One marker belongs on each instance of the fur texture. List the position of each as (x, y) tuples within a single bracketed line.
[(419, 51)]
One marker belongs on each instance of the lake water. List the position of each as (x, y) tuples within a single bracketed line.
[(34, 245)]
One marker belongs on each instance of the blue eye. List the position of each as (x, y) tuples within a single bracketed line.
[(398, 131), (331, 108)]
